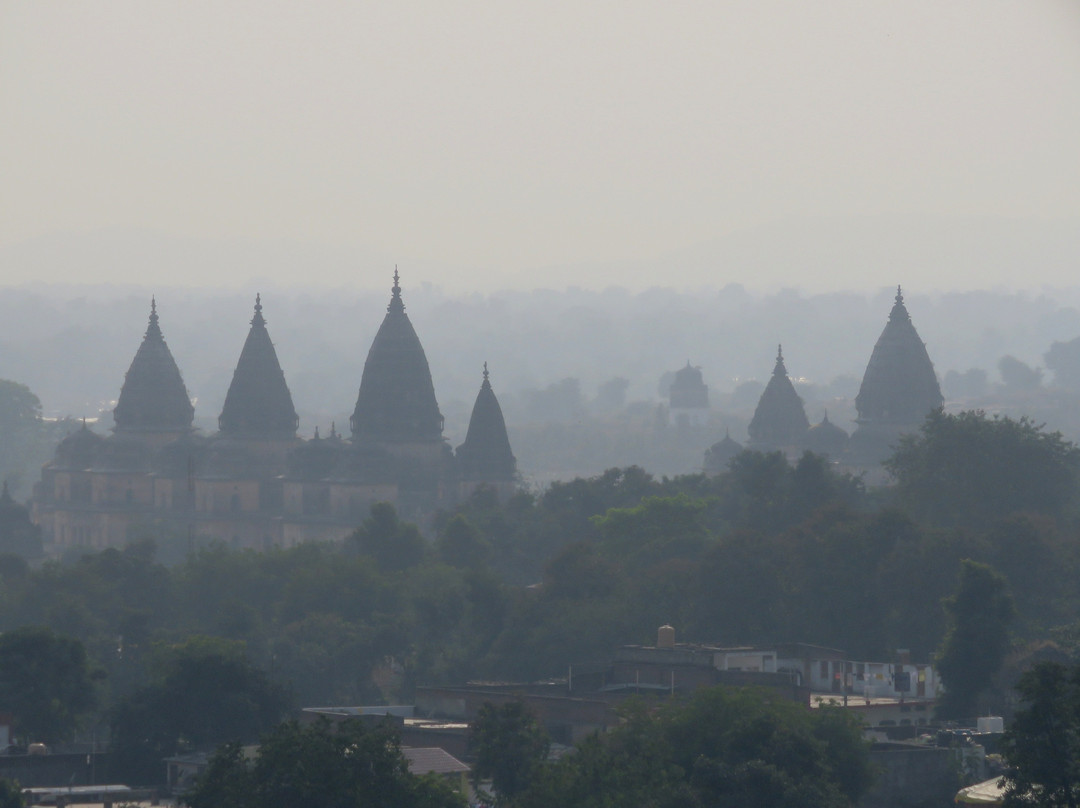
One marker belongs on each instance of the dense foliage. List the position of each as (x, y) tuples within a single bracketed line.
[(768, 552), (1042, 745), (723, 746), (341, 766)]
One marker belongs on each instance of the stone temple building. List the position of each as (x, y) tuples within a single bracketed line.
[(898, 391), (255, 483)]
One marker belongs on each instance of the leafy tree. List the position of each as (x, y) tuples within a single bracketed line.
[(11, 795), (970, 468), (1042, 744), (393, 544), (1063, 359), (977, 638), (723, 746), (509, 745), (1017, 375), (339, 766), (21, 432), (461, 545), (46, 683), (209, 694)]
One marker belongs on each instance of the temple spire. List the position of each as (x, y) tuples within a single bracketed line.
[(153, 330), (396, 303), (258, 402), (779, 369), (486, 454), (153, 396)]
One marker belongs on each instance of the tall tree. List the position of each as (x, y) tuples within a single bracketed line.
[(1042, 745), (339, 766), (976, 640), (509, 745), (46, 683), (970, 468), (209, 694)]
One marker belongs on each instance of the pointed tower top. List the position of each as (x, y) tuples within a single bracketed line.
[(779, 369), (153, 330), (780, 419), (316, 433), (258, 403), (899, 311), (153, 396), (396, 303), (396, 401), (486, 454), (899, 385)]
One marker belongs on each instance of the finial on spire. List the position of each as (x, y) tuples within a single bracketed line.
[(152, 329), (316, 432), (258, 319), (395, 298), (779, 353), (485, 372), (899, 294)]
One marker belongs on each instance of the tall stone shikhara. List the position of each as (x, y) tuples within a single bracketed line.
[(899, 388), (779, 421), (254, 483)]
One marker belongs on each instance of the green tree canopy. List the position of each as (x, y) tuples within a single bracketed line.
[(971, 469), (393, 544), (723, 746), (509, 745), (1042, 744), (208, 694), (339, 766), (976, 640), (46, 683)]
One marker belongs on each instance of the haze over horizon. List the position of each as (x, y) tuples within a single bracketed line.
[(486, 147)]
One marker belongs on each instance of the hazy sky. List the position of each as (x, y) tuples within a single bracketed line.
[(514, 144)]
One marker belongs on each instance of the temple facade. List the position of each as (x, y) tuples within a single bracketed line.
[(255, 483)]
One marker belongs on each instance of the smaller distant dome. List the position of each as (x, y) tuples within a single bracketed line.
[(123, 452), (826, 438), (79, 449), (720, 454), (688, 389)]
